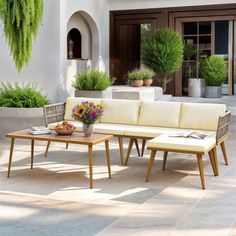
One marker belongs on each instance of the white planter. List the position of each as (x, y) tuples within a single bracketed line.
[(13, 119), (107, 93)]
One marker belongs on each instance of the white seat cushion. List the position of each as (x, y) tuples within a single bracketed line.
[(117, 111), (151, 132), (115, 129), (182, 144), (71, 102), (78, 125), (201, 116), (162, 114)]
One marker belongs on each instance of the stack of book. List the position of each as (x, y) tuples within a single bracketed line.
[(39, 130)]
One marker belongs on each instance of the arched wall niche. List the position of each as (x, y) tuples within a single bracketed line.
[(74, 44)]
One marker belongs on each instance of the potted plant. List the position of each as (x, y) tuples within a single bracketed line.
[(214, 71), (88, 113), (147, 77), (163, 53), (135, 78), (92, 84), (21, 106)]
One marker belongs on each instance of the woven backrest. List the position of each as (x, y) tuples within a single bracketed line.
[(223, 126), (54, 113)]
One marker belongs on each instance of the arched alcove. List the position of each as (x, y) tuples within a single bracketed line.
[(74, 44)]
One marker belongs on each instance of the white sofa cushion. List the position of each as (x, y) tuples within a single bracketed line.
[(164, 114), (201, 116), (115, 129), (182, 144), (152, 132), (120, 111), (71, 102)]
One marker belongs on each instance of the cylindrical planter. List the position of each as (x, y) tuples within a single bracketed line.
[(107, 93), (213, 92), (147, 82), (13, 119), (196, 87), (137, 83)]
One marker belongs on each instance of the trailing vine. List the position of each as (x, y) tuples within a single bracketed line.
[(21, 19)]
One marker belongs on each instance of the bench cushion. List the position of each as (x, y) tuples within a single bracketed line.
[(162, 114), (182, 144), (152, 132), (71, 102), (201, 116), (120, 111)]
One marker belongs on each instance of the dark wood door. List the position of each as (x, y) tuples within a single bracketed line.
[(127, 51)]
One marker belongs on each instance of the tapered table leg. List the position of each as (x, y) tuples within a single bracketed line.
[(10, 156), (121, 145), (216, 161), (143, 147), (108, 158), (152, 157), (67, 145), (47, 148), (201, 170), (137, 146), (164, 160), (90, 157), (131, 141), (32, 154)]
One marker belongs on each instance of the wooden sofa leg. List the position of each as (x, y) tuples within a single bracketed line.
[(137, 146), (164, 160), (152, 157), (211, 155), (215, 161), (201, 170), (224, 152), (131, 141), (67, 145), (47, 148), (120, 139), (143, 147)]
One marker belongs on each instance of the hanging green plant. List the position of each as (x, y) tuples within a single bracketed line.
[(21, 19)]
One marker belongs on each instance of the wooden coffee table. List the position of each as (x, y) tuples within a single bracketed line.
[(76, 138)]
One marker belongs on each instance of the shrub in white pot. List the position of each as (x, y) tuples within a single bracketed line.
[(21, 106), (92, 84), (214, 71)]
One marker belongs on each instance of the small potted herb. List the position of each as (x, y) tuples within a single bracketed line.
[(135, 78), (147, 77), (214, 71)]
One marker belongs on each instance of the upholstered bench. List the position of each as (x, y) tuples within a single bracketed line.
[(198, 147)]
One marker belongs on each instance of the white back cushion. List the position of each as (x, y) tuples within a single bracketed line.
[(163, 114), (119, 111), (71, 102), (201, 116)]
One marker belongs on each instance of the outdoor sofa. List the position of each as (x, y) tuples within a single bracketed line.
[(147, 120)]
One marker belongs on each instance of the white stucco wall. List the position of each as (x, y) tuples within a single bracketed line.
[(49, 65)]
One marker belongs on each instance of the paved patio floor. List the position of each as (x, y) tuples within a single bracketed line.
[(54, 198)]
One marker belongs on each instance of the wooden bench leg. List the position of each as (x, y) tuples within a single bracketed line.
[(131, 141), (10, 156), (47, 148), (216, 161), (224, 152), (121, 145), (137, 146), (201, 170), (152, 157), (90, 157), (108, 158), (164, 160), (143, 147), (32, 154), (211, 155)]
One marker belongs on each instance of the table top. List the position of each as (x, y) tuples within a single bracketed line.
[(76, 137)]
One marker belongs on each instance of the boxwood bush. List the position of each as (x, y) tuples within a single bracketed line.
[(92, 80), (21, 96)]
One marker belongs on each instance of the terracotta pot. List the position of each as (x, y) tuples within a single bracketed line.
[(147, 82), (137, 83)]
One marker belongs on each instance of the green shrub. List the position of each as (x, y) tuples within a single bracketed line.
[(140, 74), (163, 52), (213, 70), (92, 80), (24, 96)]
